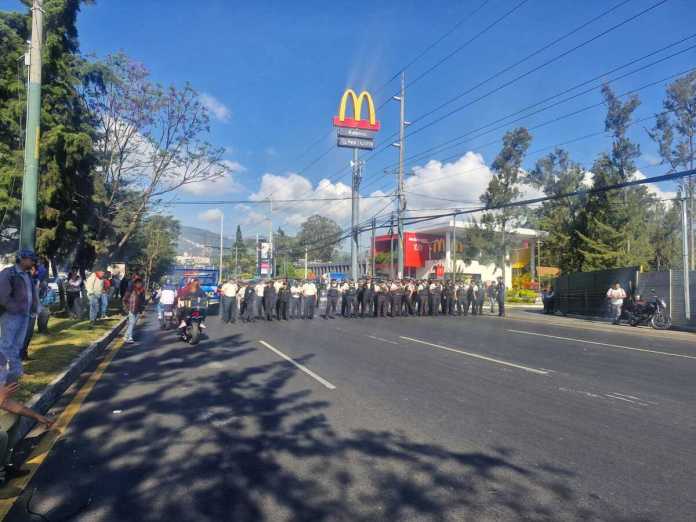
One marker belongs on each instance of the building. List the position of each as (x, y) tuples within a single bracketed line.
[(428, 253), (188, 259)]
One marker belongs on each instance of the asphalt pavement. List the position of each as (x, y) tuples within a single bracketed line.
[(446, 418)]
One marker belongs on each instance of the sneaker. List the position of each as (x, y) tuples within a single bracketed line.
[(128, 341)]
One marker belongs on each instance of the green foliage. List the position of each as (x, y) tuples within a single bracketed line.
[(503, 188), (521, 296), (320, 235)]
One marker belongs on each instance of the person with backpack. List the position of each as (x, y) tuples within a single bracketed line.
[(19, 301)]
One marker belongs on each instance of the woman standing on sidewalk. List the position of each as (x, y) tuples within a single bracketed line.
[(133, 303)]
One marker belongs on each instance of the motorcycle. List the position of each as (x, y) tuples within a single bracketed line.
[(167, 317), (194, 316), (652, 311)]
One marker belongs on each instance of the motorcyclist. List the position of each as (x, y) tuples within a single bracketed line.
[(167, 297), (191, 291)]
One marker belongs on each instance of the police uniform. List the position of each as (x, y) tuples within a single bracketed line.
[(331, 301), (269, 301), (259, 288), (396, 293), (295, 301), (381, 300), (309, 295), (250, 304), (283, 302)]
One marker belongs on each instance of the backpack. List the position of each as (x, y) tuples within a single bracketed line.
[(12, 279)]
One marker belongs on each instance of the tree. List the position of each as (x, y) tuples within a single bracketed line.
[(154, 245), (150, 142), (239, 242), (503, 188), (612, 226), (66, 158), (675, 135), (556, 174), (321, 236)]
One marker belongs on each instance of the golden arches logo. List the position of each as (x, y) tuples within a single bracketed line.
[(437, 246), (356, 122)]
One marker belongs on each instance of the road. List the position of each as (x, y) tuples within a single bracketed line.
[(521, 418)]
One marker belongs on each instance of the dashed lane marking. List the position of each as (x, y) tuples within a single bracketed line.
[(479, 356), (299, 366), (645, 350)]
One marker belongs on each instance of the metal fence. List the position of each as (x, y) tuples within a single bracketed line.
[(584, 293)]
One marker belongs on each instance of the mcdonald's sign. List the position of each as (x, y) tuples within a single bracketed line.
[(356, 122)]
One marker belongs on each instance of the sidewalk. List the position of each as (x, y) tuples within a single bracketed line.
[(534, 314)]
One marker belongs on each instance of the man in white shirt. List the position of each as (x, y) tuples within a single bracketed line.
[(228, 301), (295, 300), (616, 296), (309, 294), (259, 288)]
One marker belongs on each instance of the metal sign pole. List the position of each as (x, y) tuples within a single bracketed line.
[(355, 199)]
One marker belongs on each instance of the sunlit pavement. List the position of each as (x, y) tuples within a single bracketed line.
[(475, 418)]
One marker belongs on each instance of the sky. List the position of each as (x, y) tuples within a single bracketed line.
[(272, 74)]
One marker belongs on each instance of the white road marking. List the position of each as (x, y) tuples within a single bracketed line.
[(299, 366), (382, 340), (668, 354), (616, 396), (478, 356), (634, 398)]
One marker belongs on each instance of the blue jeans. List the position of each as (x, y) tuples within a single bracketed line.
[(94, 304), (104, 304), (13, 330), (132, 319)]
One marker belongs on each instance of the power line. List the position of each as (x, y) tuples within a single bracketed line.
[(520, 76), (265, 202)]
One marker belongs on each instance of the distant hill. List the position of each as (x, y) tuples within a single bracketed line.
[(200, 242)]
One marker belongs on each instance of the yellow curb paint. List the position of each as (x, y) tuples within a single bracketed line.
[(49, 439)]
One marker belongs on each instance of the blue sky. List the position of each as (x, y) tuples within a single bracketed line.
[(274, 72)]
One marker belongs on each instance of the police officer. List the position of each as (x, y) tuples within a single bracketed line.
[(433, 298), (367, 299), (381, 299), (331, 300), (309, 298), (295, 300), (460, 291), (351, 300), (249, 304), (269, 300), (501, 297), (283, 302), (260, 287), (451, 298), (344, 298), (421, 298), (470, 298), (396, 293)]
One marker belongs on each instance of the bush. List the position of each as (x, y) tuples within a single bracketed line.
[(521, 296)]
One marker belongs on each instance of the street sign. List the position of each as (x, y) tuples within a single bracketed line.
[(345, 132), (356, 143)]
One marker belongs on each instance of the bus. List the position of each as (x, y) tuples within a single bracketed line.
[(207, 276)]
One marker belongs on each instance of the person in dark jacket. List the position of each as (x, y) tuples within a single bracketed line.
[(367, 300), (134, 304), (249, 304), (269, 300), (331, 300), (501, 297), (283, 302), (19, 301)]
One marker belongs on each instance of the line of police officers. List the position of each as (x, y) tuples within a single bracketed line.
[(285, 300)]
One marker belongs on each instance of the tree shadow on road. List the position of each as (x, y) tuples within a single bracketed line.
[(207, 434)]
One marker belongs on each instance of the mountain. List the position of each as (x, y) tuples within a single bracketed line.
[(200, 242)]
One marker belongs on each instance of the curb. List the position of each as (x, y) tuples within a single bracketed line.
[(42, 401)]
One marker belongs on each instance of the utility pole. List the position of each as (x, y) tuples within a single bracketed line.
[(30, 183), (222, 219), (356, 164), (454, 247), (236, 260), (306, 260), (374, 227), (685, 251), (391, 248), (271, 255), (401, 202)]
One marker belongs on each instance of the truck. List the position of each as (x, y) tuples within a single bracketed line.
[(207, 276)]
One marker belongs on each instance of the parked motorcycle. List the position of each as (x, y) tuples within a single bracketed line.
[(652, 311), (194, 315)]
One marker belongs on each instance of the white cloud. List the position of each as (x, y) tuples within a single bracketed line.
[(210, 215), (223, 185), (271, 151), (295, 186), (218, 109), (654, 188)]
